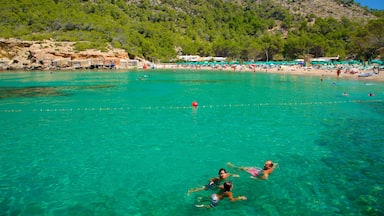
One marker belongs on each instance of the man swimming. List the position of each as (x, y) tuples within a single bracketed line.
[(214, 182), (256, 172)]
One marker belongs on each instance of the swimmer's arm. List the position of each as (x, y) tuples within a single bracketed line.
[(192, 190), (212, 180), (238, 198), (234, 175), (265, 176), (233, 199)]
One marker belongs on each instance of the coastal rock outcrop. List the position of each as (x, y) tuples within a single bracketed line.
[(51, 55)]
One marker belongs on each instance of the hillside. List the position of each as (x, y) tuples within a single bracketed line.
[(158, 30), (327, 8)]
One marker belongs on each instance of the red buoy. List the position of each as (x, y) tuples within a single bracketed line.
[(194, 104)]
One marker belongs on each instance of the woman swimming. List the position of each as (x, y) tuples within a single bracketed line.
[(269, 167), (226, 191)]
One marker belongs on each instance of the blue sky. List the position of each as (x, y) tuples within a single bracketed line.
[(374, 4)]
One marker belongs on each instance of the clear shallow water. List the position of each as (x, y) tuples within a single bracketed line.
[(114, 143)]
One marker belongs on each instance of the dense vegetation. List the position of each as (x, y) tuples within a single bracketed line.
[(253, 30)]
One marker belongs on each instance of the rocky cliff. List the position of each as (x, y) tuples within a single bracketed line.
[(50, 55)]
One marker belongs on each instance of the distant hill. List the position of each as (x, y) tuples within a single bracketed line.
[(158, 30), (328, 8)]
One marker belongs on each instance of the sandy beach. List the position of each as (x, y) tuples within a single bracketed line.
[(295, 70)]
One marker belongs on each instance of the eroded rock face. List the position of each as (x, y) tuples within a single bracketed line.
[(48, 55)]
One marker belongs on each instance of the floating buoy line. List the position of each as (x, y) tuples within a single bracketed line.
[(194, 106)]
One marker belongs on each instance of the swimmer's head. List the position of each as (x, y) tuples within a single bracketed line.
[(222, 173), (268, 164), (215, 199), (228, 186)]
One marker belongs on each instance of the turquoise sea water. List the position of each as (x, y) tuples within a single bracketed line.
[(129, 143)]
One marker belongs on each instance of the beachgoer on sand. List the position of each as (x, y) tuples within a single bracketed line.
[(214, 183), (257, 172), (226, 191)]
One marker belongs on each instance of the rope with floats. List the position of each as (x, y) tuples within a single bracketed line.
[(194, 105)]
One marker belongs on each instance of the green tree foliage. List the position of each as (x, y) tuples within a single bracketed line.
[(367, 41), (252, 30)]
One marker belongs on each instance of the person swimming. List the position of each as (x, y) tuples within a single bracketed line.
[(255, 172), (269, 167), (214, 200), (226, 191), (214, 182)]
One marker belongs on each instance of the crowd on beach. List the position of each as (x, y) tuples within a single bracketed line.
[(340, 71), (222, 187)]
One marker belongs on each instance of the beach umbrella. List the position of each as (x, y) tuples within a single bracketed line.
[(377, 61), (353, 62)]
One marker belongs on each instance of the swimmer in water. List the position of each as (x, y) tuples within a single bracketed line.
[(214, 182), (226, 191), (256, 172)]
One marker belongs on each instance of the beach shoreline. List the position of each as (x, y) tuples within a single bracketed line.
[(284, 70), (287, 70)]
